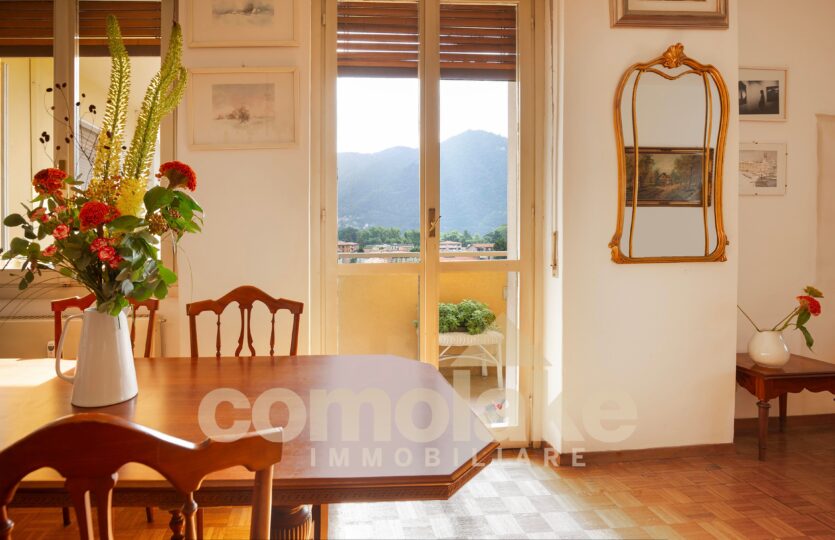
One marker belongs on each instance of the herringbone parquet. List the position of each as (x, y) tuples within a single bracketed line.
[(792, 495)]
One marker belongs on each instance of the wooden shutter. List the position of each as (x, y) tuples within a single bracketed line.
[(380, 39), (26, 26)]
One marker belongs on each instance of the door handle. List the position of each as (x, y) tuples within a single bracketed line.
[(433, 223)]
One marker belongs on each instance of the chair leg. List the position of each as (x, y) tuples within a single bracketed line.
[(199, 525), (149, 514), (65, 514), (320, 521)]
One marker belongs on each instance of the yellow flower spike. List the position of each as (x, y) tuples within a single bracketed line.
[(131, 194)]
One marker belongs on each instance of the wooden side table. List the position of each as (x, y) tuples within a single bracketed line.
[(799, 374)]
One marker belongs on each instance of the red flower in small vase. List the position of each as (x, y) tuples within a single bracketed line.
[(49, 251), (178, 174), (61, 231), (49, 181), (95, 213), (811, 304)]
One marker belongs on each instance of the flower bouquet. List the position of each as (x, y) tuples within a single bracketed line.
[(106, 236)]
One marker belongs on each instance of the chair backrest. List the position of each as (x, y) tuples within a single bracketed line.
[(88, 449), (83, 302), (245, 296)]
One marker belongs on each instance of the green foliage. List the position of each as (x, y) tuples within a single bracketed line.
[(469, 316), (163, 95)]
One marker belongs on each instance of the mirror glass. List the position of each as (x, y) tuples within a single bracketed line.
[(671, 118)]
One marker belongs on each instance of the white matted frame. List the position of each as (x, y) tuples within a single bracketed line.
[(762, 168), (264, 23), (243, 108), (669, 14), (752, 81)]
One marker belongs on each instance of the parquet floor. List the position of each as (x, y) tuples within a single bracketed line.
[(792, 495)]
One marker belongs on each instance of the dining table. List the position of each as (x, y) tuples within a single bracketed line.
[(357, 428)]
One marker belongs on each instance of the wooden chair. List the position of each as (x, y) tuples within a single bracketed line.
[(99, 444), (245, 297), (83, 302)]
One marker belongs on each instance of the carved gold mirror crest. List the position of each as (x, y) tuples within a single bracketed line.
[(670, 132)]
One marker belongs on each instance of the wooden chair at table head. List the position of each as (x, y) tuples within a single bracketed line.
[(245, 296), (96, 445), (83, 302)]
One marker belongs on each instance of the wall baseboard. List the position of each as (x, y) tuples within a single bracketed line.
[(699, 450)]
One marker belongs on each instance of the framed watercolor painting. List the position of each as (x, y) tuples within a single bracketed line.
[(669, 176), (243, 108), (762, 94), (670, 13), (762, 168), (243, 23)]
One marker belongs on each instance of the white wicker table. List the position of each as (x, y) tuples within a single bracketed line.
[(481, 341)]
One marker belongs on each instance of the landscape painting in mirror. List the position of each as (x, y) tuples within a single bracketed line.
[(668, 176)]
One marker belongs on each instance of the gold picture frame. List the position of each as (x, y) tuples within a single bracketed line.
[(706, 14)]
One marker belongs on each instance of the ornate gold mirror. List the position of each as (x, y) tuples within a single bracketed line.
[(671, 122)]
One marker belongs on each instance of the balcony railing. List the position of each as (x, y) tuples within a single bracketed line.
[(391, 256)]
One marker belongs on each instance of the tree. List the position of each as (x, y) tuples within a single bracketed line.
[(497, 237), (412, 237), (349, 234)]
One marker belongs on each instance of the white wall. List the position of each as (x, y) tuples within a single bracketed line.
[(659, 337), (778, 235), (256, 201)]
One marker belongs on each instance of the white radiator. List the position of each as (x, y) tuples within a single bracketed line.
[(30, 336)]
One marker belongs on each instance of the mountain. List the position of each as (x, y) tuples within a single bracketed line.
[(383, 188)]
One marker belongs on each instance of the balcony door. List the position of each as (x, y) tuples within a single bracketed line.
[(428, 196)]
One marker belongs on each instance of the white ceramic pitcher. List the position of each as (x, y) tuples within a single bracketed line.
[(104, 374)]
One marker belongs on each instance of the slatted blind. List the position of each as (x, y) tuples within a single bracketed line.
[(380, 39), (26, 26)]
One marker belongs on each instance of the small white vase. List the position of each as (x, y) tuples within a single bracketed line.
[(768, 349), (104, 373)]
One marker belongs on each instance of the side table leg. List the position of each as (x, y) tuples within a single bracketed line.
[(763, 406), (784, 406), (177, 525)]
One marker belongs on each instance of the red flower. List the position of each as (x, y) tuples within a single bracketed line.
[(811, 304), (49, 181), (50, 251), (61, 231), (178, 174), (95, 213), (107, 253), (114, 262), (99, 244), (38, 214)]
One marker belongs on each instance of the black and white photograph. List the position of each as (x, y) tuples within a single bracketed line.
[(762, 94), (243, 23)]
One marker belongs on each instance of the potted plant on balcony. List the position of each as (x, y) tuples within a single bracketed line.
[(106, 236)]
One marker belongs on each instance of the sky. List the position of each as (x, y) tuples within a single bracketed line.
[(375, 114)]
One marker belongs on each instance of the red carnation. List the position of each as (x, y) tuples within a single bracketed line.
[(49, 181), (61, 231), (95, 213), (178, 174), (114, 262), (99, 244), (811, 304), (107, 253), (49, 251)]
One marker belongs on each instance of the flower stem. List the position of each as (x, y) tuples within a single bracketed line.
[(749, 318), (794, 312)]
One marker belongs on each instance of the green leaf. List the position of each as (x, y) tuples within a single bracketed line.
[(18, 246), (803, 317), (167, 275), (64, 271), (127, 287), (161, 290), (22, 285), (125, 223), (808, 336), (14, 220), (30, 234), (157, 197), (29, 277)]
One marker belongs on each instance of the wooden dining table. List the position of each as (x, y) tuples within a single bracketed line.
[(357, 429)]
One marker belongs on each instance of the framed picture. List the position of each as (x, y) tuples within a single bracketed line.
[(243, 108), (243, 23), (670, 13), (669, 176), (762, 168), (762, 94)]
